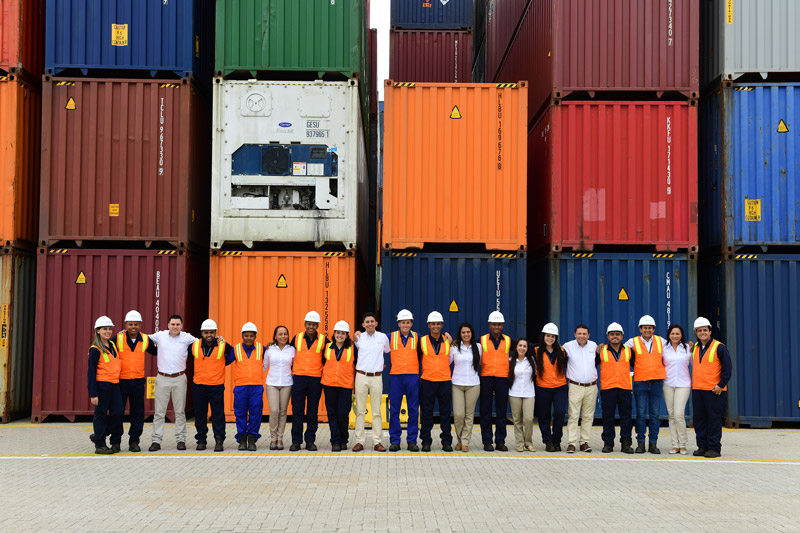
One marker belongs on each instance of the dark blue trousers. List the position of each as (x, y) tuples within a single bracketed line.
[(497, 389), (205, 395), (430, 392), (306, 392), (551, 405), (338, 402), (611, 400), (248, 406), (707, 418), (108, 413), (132, 392), (400, 385)]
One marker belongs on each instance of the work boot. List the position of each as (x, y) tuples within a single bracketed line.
[(243, 443), (103, 450), (412, 447), (134, 447), (699, 452), (91, 437), (488, 448), (394, 447), (251, 443), (426, 447), (201, 446), (654, 449), (626, 446), (115, 448), (294, 447), (501, 448), (154, 447), (712, 454), (218, 447), (548, 446), (640, 448), (607, 448)]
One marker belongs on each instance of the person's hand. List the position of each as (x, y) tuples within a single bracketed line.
[(94, 400), (600, 348), (691, 346), (220, 339), (448, 337), (357, 335), (716, 390)]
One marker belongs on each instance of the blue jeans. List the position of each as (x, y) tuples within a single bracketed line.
[(248, 406), (399, 385), (649, 395)]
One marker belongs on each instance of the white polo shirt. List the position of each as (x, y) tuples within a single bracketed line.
[(172, 351), (370, 351), (580, 361)]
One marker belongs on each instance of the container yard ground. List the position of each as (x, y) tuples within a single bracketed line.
[(51, 482)]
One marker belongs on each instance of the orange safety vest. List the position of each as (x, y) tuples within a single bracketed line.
[(435, 367), (706, 374), (132, 361), (648, 365), (248, 370), (308, 361), (404, 358), (109, 365), (551, 378), (615, 374), (339, 373), (208, 370), (494, 361)]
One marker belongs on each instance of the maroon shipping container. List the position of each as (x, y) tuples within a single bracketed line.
[(589, 46), (74, 287), (614, 173), (124, 160), (373, 73), (502, 19), (434, 56)]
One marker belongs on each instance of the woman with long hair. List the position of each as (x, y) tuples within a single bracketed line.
[(338, 379), (551, 387), (104, 392), (465, 356), (677, 357), (278, 360), (522, 393)]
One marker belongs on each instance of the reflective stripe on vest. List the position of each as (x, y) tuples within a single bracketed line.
[(396, 343), (485, 343), (196, 352), (348, 351), (299, 342), (640, 347), (625, 350), (711, 351), (122, 341), (240, 354), (426, 344)]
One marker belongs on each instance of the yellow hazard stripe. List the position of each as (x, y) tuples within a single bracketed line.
[(166, 252), (67, 83), (504, 256), (506, 85), (231, 253), (664, 255), (745, 88), (59, 251), (747, 256), (405, 84), (169, 85), (334, 254), (582, 255), (3, 78), (404, 254)]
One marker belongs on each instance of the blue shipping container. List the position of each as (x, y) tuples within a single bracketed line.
[(753, 302), (432, 14), (153, 36), (749, 187)]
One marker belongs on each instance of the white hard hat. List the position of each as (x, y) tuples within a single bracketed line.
[(250, 327), (550, 328), (496, 317), (208, 325), (614, 327), (342, 326), (102, 322), (435, 316), (404, 314), (133, 316), (312, 316), (647, 320), (700, 322)]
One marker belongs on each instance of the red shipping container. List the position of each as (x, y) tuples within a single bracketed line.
[(124, 160), (22, 36), (74, 287), (614, 173), (435, 56), (589, 46), (502, 19)]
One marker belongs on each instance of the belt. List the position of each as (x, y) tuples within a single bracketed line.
[(583, 384), (172, 375), (369, 374)]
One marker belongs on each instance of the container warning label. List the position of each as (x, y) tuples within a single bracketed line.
[(623, 295), (782, 127), (3, 325), (81, 280), (299, 169), (151, 387), (113, 210), (729, 12), (281, 282), (455, 113), (453, 307), (70, 104), (119, 35), (752, 210)]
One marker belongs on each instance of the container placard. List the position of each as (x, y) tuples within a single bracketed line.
[(151, 387), (752, 210), (119, 35)]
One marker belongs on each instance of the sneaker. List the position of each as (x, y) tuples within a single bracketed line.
[(711, 454), (394, 447), (530, 448), (181, 445), (586, 448), (488, 448), (273, 445), (699, 452), (412, 447), (280, 445), (571, 448)]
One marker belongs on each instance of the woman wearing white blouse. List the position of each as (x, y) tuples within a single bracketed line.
[(279, 357), (521, 393), (465, 356), (677, 357)]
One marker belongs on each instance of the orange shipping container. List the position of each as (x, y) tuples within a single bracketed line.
[(279, 288), (20, 148), (455, 165)]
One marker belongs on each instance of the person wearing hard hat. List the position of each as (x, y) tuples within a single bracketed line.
[(372, 345), (103, 384), (615, 360), (278, 363), (711, 371), (338, 378), (404, 381), (494, 382), (551, 387), (435, 384), (307, 377), (582, 377), (248, 387), (208, 388)]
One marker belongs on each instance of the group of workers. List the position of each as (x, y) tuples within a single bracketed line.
[(549, 380)]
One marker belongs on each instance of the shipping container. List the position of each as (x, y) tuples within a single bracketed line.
[(614, 173), (432, 14), (124, 160), (569, 46), (154, 37), (22, 36), (743, 37), (750, 191), (74, 287), (431, 56), (455, 165), (479, 9), (753, 304), (479, 65), (502, 19), (373, 73), (17, 310), (20, 152), (289, 163), (272, 289)]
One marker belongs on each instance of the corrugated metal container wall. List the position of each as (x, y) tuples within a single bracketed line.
[(20, 153), (750, 191), (431, 14), (152, 36), (17, 310), (479, 9), (373, 72), (634, 165), (465, 146), (22, 36), (753, 302), (502, 19), (479, 66), (566, 46), (124, 160), (430, 56), (74, 287), (746, 36), (272, 289)]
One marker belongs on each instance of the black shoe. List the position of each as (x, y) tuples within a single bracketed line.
[(154, 447), (412, 447), (251, 443), (626, 446), (548, 446), (295, 447), (243, 443), (426, 447), (700, 452), (336, 447), (115, 448), (640, 447), (91, 438), (218, 447), (653, 449), (608, 449), (181, 446), (488, 448), (134, 447), (395, 447), (711, 454), (310, 446), (557, 446), (201, 446), (103, 450), (447, 448), (501, 447)]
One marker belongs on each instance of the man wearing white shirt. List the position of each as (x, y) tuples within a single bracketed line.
[(582, 377), (371, 344)]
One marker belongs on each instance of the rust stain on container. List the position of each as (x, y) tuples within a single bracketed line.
[(433, 56), (22, 36)]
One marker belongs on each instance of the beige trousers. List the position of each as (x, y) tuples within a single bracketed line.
[(278, 398), (522, 415), (582, 403), (464, 400), (372, 386), (676, 398), (167, 388)]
